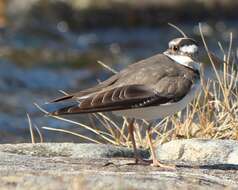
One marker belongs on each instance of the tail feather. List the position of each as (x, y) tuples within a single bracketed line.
[(62, 98), (58, 108)]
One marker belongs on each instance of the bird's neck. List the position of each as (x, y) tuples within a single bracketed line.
[(184, 60)]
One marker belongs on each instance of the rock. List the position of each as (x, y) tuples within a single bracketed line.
[(200, 151), (91, 166), (82, 150)]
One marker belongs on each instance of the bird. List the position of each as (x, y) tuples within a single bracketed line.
[(149, 89)]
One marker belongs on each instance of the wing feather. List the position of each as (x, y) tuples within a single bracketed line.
[(120, 98)]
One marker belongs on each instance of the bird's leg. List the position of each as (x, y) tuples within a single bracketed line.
[(131, 133), (155, 161)]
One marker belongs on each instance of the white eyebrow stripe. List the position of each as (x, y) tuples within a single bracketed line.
[(174, 42), (189, 48)]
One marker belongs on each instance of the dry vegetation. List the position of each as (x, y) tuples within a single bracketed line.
[(213, 114)]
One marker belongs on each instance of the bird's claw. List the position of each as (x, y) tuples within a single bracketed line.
[(156, 163)]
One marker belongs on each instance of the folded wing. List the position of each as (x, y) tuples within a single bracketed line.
[(120, 98)]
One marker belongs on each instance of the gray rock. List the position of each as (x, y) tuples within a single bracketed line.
[(82, 150), (91, 166), (200, 151)]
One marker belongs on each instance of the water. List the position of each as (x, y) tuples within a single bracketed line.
[(34, 66)]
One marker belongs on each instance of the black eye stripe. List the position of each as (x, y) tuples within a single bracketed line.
[(187, 42)]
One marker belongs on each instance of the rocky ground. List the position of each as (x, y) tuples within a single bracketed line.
[(201, 164)]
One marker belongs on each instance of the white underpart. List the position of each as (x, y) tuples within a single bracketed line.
[(163, 110), (184, 60), (189, 49)]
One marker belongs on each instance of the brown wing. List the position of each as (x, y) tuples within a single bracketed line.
[(128, 76), (149, 72), (125, 97), (146, 83)]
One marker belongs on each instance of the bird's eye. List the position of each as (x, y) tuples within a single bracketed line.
[(175, 48)]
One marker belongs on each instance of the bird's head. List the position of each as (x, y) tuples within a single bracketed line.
[(184, 51), (183, 46)]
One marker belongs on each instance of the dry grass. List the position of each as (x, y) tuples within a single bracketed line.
[(213, 114)]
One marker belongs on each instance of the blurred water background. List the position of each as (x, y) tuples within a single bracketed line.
[(51, 45)]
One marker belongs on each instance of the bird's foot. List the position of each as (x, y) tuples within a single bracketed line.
[(140, 161), (156, 163)]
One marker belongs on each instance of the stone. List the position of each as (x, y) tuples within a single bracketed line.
[(82, 150), (91, 166), (200, 151)]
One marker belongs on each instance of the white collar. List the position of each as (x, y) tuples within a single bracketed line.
[(184, 60)]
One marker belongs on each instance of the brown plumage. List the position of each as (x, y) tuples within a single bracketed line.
[(145, 83)]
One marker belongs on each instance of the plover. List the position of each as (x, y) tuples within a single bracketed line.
[(150, 89)]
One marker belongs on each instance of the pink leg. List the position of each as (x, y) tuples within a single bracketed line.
[(131, 133), (155, 161)]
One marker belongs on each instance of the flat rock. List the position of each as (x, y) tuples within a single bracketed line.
[(91, 166), (82, 150), (200, 151)]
